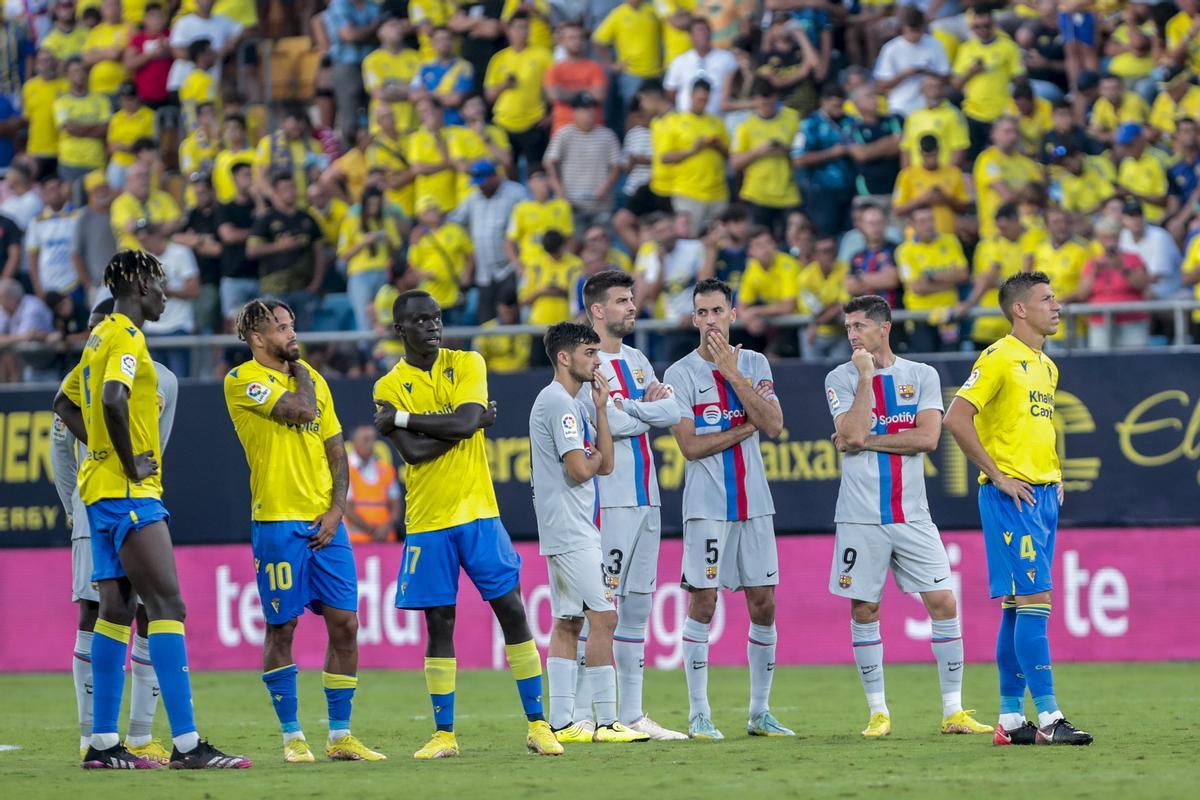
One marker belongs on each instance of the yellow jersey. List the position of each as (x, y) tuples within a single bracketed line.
[(770, 284), (504, 354), (81, 151), (636, 36), (986, 94), (543, 272), (380, 69), (198, 153), (455, 488), (945, 123), (390, 154), (388, 347), (125, 129), (1063, 265), (1012, 386), (993, 165), (540, 34), (63, 45), (769, 181), (197, 88), (442, 255), (1010, 256), (662, 176), (38, 96), (425, 15), (116, 351), (675, 42), (160, 207), (1130, 65), (330, 220), (441, 186), (1083, 193), (223, 163), (1166, 111), (701, 176), (1106, 118), (275, 151), (1176, 31), (372, 257), (816, 291), (1145, 176), (916, 259), (1034, 127), (519, 108), (106, 77), (531, 220), (469, 146), (290, 479), (1191, 263), (915, 181)]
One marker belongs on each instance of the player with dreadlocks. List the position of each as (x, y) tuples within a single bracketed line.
[(110, 402), (283, 414)]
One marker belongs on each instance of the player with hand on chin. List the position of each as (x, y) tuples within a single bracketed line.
[(569, 448), (1002, 418), (433, 406), (110, 402), (726, 397), (283, 414), (887, 412)]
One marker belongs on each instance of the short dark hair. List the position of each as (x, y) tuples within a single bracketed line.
[(256, 313), (710, 285), (565, 336), (912, 17), (400, 306), (702, 83), (757, 231), (735, 212), (198, 48), (240, 119), (832, 89), (553, 242), (1008, 211), (1017, 288), (280, 174), (595, 290), (761, 87), (874, 306)]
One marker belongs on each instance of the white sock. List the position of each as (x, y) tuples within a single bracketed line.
[(1048, 717), (947, 645), (695, 665), (583, 690), (81, 671), (187, 742), (629, 654), (288, 736), (338, 733), (561, 673), (868, 655), (1010, 722), (603, 683), (103, 741), (760, 653), (143, 697)]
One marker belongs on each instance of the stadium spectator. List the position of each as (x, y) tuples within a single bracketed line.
[(728, 243), (445, 76), (199, 150), (485, 214), (388, 73), (48, 244), (1000, 173), (141, 201), (873, 267), (1116, 106), (21, 203), (234, 149), (547, 283), (984, 68), (18, 50), (131, 123), (1062, 258), (940, 119), (930, 184), (94, 243), (1034, 116), (429, 155), (821, 292), (583, 163), (1044, 47), (908, 58), (532, 218), (997, 257), (665, 270), (239, 273), (199, 234), (66, 36), (38, 96), (373, 503), (483, 35), (513, 85), (634, 33), (1077, 185), (1065, 132), (505, 354), (696, 147), (199, 86), (575, 74), (875, 147), (352, 26), (149, 56), (1141, 173), (104, 50), (286, 242), (441, 261), (23, 318), (1157, 251), (182, 287), (82, 121), (290, 149), (790, 62), (11, 240), (222, 32), (932, 268), (1115, 277), (702, 62), (822, 152), (768, 289), (367, 243), (646, 185), (476, 139), (759, 152)]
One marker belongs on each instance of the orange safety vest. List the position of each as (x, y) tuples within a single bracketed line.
[(370, 500)]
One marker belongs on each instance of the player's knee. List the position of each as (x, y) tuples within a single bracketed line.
[(702, 604), (343, 630), (864, 613), (572, 626), (171, 607), (283, 633), (761, 609), (602, 623), (89, 611), (941, 605)]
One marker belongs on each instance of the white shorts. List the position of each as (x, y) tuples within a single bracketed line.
[(732, 555), (577, 584), (863, 554), (629, 538), (82, 587)]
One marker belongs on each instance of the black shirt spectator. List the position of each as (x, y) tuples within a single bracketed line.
[(486, 36), (203, 222), (871, 133), (238, 215)]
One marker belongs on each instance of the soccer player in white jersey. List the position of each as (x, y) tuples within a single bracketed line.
[(888, 414), (569, 448), (630, 522), (66, 454), (726, 397)]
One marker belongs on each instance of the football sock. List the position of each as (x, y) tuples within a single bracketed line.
[(562, 675), (947, 646), (110, 645), (603, 683), (143, 694), (81, 671), (1012, 680), (868, 655), (281, 686), (168, 654), (629, 653), (526, 666), (339, 697), (760, 654), (583, 690), (1033, 651), (695, 665)]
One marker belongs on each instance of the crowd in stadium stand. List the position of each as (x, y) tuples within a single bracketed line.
[(498, 152)]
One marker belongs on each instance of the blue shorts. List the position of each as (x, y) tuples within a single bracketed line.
[(112, 521), (1020, 544), (1077, 27), (429, 568), (292, 577)]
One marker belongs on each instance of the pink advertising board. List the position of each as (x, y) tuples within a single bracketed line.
[(1112, 587)]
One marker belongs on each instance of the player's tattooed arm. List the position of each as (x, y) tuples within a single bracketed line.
[(300, 406), (324, 527), (71, 415)]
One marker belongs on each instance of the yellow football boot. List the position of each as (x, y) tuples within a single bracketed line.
[(152, 750), (349, 748), (442, 745), (297, 751), (618, 734), (963, 722), (576, 733), (541, 740), (879, 726)]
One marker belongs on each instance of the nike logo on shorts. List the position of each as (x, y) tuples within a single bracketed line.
[(939, 580)]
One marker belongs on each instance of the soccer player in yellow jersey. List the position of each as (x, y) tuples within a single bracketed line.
[(110, 402), (284, 417), (1003, 419), (433, 406)]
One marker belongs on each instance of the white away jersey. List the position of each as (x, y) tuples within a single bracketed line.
[(633, 481), (730, 485), (568, 513), (883, 488)]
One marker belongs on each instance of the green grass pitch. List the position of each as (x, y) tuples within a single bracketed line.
[(1143, 717)]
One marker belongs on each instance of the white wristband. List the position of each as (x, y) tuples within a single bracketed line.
[(401, 420)]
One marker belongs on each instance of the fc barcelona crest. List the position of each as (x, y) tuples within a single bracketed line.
[(906, 391)]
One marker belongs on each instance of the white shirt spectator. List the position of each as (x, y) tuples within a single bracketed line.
[(179, 265), (1162, 258), (218, 29), (22, 208), (584, 159), (50, 237), (679, 270), (687, 68), (31, 316), (637, 143), (899, 55)]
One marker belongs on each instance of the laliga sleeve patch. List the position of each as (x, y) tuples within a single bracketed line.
[(974, 376), (570, 426), (258, 392), (834, 403), (129, 365)]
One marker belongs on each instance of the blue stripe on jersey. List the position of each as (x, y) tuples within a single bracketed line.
[(885, 488), (639, 461), (731, 492)]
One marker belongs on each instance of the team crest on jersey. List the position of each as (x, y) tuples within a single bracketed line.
[(1032, 575), (258, 392), (834, 403), (639, 375), (608, 596), (710, 572), (256, 563), (449, 373), (570, 426), (906, 391), (129, 364), (275, 604), (611, 581), (844, 581)]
